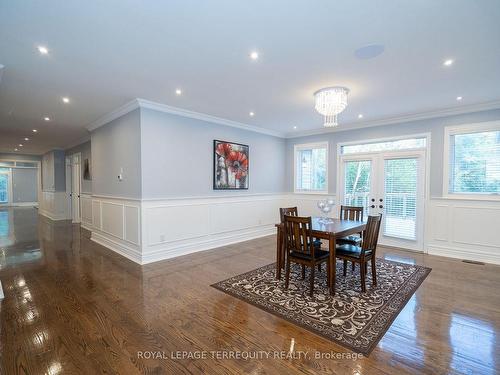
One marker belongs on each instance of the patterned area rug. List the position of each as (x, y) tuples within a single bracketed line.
[(351, 318)]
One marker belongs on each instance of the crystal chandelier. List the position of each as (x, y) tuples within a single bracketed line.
[(330, 101)]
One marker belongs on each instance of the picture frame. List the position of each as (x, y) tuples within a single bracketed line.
[(231, 162)]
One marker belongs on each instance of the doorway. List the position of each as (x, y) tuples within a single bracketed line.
[(390, 182), (73, 186)]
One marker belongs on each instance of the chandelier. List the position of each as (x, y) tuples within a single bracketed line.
[(330, 101)]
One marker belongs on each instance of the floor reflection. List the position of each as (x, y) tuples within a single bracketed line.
[(18, 236), (405, 326), (399, 258), (472, 338)]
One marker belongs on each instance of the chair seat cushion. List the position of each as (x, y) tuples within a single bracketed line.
[(317, 243), (350, 240), (318, 254), (352, 251)]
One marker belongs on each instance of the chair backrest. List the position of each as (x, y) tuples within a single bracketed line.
[(351, 213), (292, 211), (370, 235), (298, 235)]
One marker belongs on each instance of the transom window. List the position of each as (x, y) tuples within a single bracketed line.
[(311, 168), (474, 162), (399, 144)]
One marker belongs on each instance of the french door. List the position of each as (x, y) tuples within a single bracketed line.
[(391, 183)]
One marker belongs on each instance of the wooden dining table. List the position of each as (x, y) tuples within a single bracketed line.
[(326, 229)]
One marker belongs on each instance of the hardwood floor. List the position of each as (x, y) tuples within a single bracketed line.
[(74, 307)]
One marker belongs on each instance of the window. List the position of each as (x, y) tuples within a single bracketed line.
[(474, 161), (400, 144), (311, 168)]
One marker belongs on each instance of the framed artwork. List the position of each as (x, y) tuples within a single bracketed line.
[(86, 170), (231, 161)]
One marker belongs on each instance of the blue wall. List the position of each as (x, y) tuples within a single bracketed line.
[(177, 157)]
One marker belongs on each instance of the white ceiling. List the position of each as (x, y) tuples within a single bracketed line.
[(104, 53)]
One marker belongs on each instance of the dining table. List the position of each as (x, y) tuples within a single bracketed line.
[(325, 229)]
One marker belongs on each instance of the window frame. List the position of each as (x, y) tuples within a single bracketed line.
[(450, 131), (307, 146)]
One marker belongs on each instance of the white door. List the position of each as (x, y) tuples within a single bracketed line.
[(391, 183), (69, 178), (75, 187)]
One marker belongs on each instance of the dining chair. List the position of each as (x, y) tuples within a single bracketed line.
[(293, 211), (351, 213), (300, 248), (364, 253)]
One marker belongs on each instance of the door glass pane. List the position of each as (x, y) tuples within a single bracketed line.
[(400, 144), (357, 183), (400, 202)]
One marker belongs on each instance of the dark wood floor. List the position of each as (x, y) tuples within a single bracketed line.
[(74, 307)]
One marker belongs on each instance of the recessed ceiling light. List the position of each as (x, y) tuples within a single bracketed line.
[(34, 130), (251, 114), (178, 92), (46, 118), (360, 115), (448, 62), (459, 98), (295, 127), (15, 149), (20, 145), (254, 55), (65, 100), (26, 139), (43, 50)]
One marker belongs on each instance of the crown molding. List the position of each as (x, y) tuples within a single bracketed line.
[(401, 119), (205, 117), (159, 107), (113, 115), (78, 142), (142, 103)]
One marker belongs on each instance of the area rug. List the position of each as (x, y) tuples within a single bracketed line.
[(351, 318)]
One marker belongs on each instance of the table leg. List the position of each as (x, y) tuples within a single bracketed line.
[(279, 246), (332, 243)]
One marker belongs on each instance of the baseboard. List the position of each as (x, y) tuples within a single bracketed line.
[(23, 204), (467, 254), (117, 245), (51, 216), (194, 245), (176, 249), (86, 226)]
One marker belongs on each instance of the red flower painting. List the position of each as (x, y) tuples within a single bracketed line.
[(230, 165)]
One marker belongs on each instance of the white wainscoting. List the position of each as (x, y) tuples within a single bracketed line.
[(115, 223), (174, 227), (464, 229), (53, 204), (86, 211), (151, 230)]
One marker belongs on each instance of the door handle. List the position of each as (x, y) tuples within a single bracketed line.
[(381, 200), (372, 206), (380, 206), (373, 199)]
